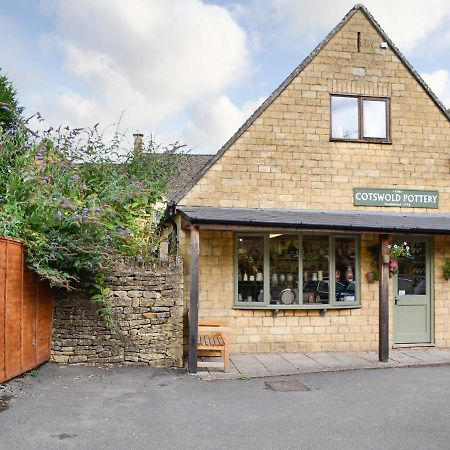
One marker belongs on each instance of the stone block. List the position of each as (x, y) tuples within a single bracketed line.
[(77, 359)]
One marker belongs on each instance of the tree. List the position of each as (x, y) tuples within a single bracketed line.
[(9, 109)]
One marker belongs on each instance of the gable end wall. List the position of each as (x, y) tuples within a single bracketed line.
[(286, 160)]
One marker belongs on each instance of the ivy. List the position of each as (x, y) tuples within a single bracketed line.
[(100, 295)]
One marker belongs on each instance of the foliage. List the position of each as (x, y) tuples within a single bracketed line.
[(447, 269), (9, 108), (394, 251), (399, 251), (77, 201), (100, 297), (33, 373)]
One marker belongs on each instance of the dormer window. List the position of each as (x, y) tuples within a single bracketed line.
[(360, 118)]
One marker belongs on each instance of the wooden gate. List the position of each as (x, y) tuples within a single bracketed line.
[(26, 313)]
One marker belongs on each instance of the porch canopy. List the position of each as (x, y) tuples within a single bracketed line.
[(382, 223), (376, 222)]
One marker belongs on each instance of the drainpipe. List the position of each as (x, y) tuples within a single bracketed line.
[(170, 211)]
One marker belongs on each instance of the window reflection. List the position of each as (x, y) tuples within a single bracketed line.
[(412, 278), (344, 117), (250, 269), (374, 119), (345, 273), (315, 269), (284, 269)]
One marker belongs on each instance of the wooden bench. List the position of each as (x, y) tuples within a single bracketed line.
[(213, 337)]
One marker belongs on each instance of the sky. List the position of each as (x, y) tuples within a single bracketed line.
[(188, 71)]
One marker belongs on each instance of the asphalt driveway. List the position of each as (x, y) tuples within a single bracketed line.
[(75, 407)]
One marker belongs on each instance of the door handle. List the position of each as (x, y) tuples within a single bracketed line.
[(396, 299)]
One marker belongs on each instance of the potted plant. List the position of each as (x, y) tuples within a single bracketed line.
[(396, 251)]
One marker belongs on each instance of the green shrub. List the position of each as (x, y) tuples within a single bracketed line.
[(78, 202)]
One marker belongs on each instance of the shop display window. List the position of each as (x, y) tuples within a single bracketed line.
[(309, 271)]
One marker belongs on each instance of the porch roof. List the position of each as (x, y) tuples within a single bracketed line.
[(385, 222)]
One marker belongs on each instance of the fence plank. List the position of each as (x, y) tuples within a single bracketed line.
[(2, 309), (29, 320), (44, 322), (13, 309), (26, 313)]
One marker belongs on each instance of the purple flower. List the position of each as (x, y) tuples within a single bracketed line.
[(59, 216), (85, 212), (40, 156), (4, 108)]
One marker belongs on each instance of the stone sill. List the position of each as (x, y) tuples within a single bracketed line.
[(303, 307)]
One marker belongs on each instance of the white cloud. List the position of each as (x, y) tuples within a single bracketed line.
[(215, 120), (407, 22), (439, 82), (152, 59)]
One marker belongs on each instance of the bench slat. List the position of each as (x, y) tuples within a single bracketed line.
[(213, 337)]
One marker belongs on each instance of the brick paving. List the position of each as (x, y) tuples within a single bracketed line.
[(256, 365)]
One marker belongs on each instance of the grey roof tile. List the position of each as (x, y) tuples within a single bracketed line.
[(188, 165)]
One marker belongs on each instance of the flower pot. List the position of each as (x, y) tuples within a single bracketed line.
[(370, 277)]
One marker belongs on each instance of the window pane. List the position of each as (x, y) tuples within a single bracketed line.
[(284, 269), (374, 119), (412, 278), (250, 269), (315, 269), (344, 118), (345, 275)]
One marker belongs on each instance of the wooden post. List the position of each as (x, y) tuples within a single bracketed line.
[(193, 301), (383, 343)]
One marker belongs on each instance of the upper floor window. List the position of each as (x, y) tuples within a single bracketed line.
[(360, 118)]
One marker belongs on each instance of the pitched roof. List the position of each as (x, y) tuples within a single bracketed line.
[(359, 7), (319, 220), (188, 165)]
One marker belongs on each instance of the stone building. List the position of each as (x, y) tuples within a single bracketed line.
[(294, 215)]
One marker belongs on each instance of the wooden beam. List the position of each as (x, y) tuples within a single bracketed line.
[(383, 323), (268, 229), (193, 301)]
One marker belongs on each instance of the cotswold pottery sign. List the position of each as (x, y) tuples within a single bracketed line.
[(395, 197)]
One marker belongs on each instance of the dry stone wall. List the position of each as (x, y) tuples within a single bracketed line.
[(148, 303)]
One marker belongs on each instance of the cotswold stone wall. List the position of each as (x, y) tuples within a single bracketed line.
[(148, 303)]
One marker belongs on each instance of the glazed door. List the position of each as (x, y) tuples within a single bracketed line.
[(412, 295)]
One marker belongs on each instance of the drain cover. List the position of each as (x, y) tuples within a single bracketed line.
[(286, 386)]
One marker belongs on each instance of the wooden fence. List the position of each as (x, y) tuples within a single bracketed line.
[(26, 313)]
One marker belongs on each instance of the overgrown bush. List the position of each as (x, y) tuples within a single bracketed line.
[(78, 202)]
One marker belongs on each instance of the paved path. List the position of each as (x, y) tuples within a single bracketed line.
[(255, 365)]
